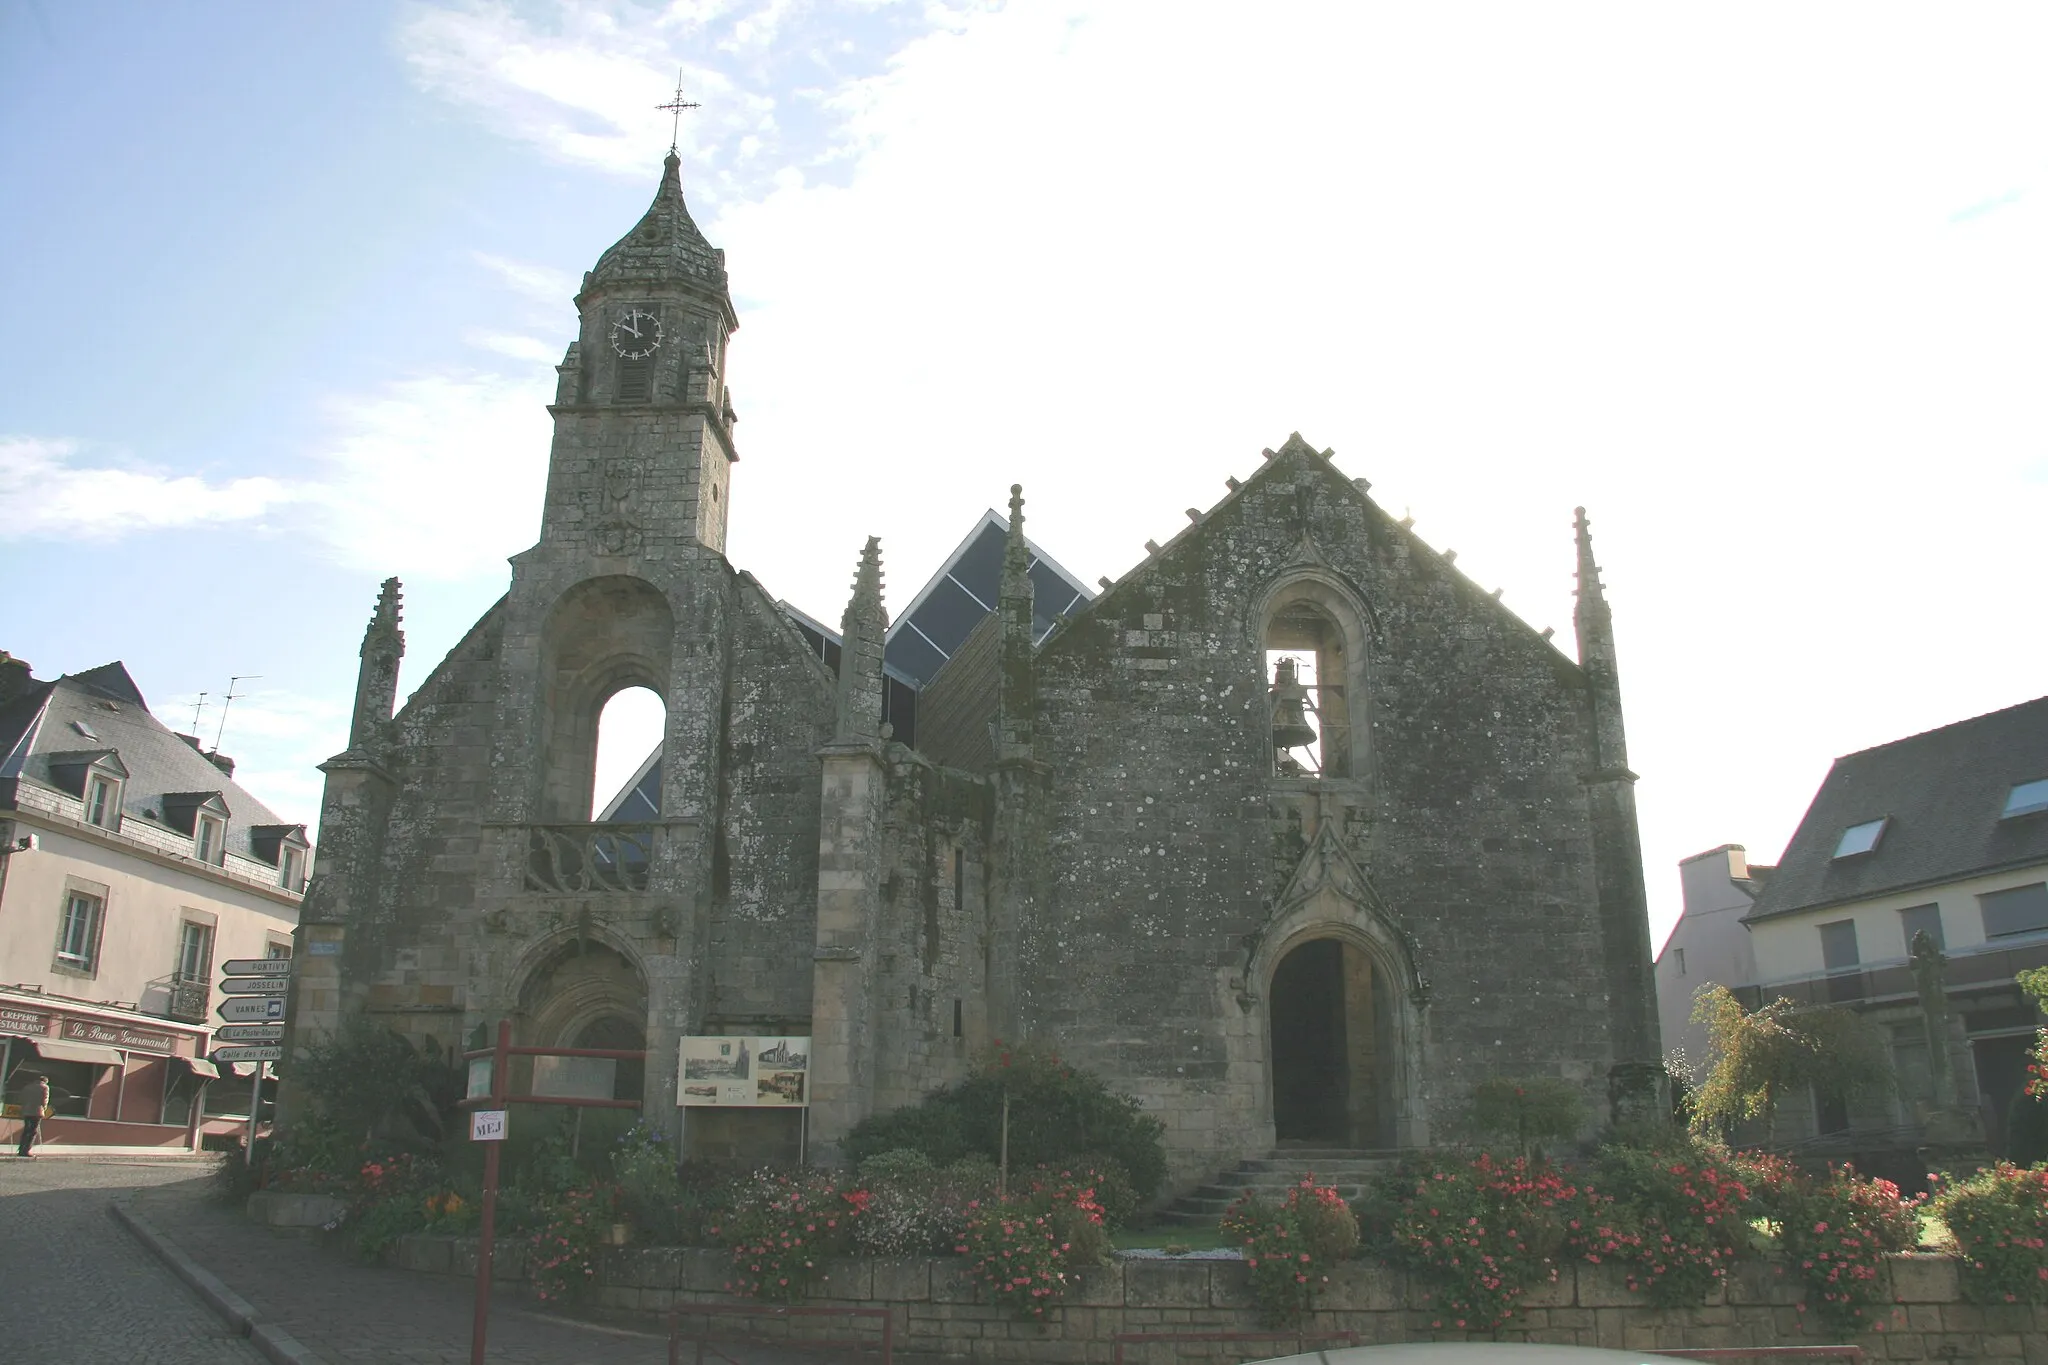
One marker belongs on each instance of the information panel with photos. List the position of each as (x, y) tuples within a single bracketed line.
[(745, 1071)]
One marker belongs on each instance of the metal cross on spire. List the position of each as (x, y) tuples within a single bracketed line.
[(676, 107)]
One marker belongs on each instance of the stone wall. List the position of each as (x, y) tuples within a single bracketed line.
[(937, 1311)]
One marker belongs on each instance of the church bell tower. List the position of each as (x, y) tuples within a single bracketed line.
[(643, 447)]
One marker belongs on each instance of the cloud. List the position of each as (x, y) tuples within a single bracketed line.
[(277, 739), (435, 476), (514, 345), (537, 283), (582, 80), (48, 492)]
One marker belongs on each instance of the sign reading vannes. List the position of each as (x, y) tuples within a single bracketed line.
[(745, 1072)]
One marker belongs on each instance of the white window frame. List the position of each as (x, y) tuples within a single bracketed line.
[(278, 950), (186, 970), (87, 961), (210, 840), (102, 806), (291, 872)]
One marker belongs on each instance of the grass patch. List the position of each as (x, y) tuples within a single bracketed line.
[(1207, 1237)]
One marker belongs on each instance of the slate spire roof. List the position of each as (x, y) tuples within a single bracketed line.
[(665, 245)]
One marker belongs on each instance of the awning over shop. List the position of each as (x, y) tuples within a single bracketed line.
[(202, 1068), (51, 1050)]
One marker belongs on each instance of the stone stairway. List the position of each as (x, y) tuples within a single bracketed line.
[(1271, 1176)]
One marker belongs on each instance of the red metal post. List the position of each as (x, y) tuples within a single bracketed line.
[(480, 1325)]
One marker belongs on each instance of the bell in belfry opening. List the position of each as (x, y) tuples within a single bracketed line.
[(1291, 726)]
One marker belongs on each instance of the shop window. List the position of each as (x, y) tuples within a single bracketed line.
[(78, 932), (195, 952), (71, 1085), (209, 840)]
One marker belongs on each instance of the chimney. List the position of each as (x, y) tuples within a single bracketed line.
[(222, 762), (14, 677)]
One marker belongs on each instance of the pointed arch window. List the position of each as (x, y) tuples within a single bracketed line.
[(1312, 649)]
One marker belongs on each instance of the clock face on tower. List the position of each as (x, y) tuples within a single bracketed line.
[(636, 334)]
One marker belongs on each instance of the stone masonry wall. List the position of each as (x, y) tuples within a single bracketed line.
[(1171, 838), (937, 1311)]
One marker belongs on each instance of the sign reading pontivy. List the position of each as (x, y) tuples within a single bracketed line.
[(745, 1072)]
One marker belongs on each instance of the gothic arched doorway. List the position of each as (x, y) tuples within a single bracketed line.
[(584, 993), (1328, 1034)]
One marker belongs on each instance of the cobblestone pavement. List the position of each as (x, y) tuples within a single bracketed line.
[(355, 1314), (80, 1289)]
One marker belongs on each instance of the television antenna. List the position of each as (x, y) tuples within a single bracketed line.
[(198, 710), (228, 701)]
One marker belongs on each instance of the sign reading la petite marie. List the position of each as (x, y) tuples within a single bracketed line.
[(117, 1035)]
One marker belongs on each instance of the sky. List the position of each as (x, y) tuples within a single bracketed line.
[(1762, 286)]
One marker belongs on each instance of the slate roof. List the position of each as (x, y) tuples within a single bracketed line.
[(1941, 794), (664, 245), (42, 724)]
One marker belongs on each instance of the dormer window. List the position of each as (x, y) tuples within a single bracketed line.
[(209, 841), (204, 816), (102, 801), (1861, 838), (2026, 798), (284, 848), (95, 777)]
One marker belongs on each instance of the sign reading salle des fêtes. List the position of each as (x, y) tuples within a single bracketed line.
[(117, 1035), (750, 1072)]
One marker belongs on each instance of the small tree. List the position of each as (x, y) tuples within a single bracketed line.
[(2026, 1124), (1757, 1057)]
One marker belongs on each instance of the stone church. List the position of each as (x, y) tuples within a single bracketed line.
[(1294, 831)]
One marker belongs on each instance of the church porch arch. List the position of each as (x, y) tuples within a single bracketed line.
[(1339, 1018)]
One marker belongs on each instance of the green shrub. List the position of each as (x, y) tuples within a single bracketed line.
[(1289, 1248), (1674, 1216), (562, 1249), (1479, 1233), (1058, 1115), (915, 1208), (1021, 1248), (782, 1228), (1526, 1114), (1999, 1218), (372, 1082)]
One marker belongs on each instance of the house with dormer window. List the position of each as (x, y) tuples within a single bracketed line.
[(131, 865), (1939, 839)]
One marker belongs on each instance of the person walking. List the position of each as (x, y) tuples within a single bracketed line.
[(35, 1102)]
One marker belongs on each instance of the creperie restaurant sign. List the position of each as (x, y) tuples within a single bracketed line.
[(20, 1019), (117, 1035)]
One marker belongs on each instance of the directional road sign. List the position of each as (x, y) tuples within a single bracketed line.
[(249, 1033), (255, 985), (251, 1008), (246, 1054), (257, 966)]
